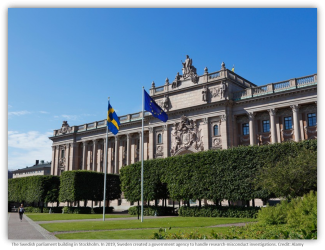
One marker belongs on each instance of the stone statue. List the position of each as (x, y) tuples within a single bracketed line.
[(223, 90), (204, 94), (187, 66), (189, 70), (165, 102)]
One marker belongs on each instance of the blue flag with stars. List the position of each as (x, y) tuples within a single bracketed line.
[(151, 106)]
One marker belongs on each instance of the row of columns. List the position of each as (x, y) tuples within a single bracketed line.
[(130, 154), (129, 150), (272, 112), (149, 149)]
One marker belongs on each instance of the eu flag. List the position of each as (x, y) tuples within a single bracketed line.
[(113, 122), (151, 106)]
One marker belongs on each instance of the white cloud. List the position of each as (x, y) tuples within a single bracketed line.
[(70, 117), (18, 113), (44, 112), (25, 148)]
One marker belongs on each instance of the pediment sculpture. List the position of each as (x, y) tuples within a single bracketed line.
[(187, 136)]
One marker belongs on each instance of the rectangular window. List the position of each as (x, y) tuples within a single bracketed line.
[(287, 123), (245, 129), (311, 119), (266, 126)]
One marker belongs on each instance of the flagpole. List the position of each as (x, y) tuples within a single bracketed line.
[(105, 172), (142, 139)]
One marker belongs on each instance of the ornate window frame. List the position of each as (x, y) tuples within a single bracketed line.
[(159, 133)]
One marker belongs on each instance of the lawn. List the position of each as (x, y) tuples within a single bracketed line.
[(136, 233), (57, 216), (130, 228)]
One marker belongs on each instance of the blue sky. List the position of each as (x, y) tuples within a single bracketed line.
[(64, 63)]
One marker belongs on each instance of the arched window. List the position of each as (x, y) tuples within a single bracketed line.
[(159, 138), (215, 130)]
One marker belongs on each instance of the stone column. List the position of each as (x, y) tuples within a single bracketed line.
[(120, 155), (109, 157), (252, 139), (128, 159), (140, 146), (116, 155), (57, 160), (132, 153), (84, 155), (67, 157), (95, 149), (99, 151), (151, 143), (145, 147), (205, 130), (53, 161), (72, 156), (295, 111), (272, 113), (235, 130), (223, 131), (165, 140)]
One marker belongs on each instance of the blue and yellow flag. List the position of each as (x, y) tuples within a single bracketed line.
[(151, 106), (113, 123)]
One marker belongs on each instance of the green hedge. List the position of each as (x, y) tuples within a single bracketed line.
[(152, 210), (77, 210), (87, 210), (88, 185), (213, 175), (43, 209), (99, 210), (69, 210), (34, 189), (219, 211)]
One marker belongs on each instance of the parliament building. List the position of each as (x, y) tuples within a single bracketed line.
[(215, 110)]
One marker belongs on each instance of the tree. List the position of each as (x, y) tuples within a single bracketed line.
[(290, 177)]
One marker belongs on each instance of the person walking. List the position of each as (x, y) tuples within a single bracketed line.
[(21, 211)]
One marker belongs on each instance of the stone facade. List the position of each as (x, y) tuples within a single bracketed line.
[(216, 110)]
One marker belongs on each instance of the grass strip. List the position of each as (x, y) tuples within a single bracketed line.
[(173, 222), (135, 234), (53, 217)]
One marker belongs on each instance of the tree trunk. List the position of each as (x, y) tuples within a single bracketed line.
[(173, 206)]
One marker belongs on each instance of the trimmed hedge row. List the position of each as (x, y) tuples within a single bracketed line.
[(34, 189), (212, 175), (219, 211), (87, 210), (88, 185), (70, 210), (152, 210), (45, 209)]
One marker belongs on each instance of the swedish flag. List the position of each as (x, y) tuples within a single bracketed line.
[(113, 122), (151, 106)]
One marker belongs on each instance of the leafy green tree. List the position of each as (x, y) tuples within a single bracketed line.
[(292, 176)]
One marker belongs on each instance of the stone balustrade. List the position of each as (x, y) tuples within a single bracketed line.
[(275, 87)]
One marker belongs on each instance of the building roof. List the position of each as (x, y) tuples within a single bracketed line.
[(37, 166)]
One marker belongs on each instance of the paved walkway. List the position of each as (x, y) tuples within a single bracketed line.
[(26, 229)]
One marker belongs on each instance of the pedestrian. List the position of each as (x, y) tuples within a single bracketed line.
[(21, 211)]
